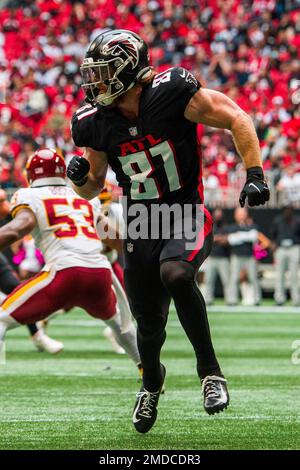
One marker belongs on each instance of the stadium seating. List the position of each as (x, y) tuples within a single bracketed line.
[(247, 49)]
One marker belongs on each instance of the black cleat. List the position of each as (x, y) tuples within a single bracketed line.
[(216, 397), (145, 409)]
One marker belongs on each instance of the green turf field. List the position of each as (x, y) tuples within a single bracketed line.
[(83, 398)]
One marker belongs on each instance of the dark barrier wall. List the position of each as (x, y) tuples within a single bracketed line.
[(262, 217)]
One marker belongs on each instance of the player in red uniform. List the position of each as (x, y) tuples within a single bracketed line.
[(9, 281), (63, 226)]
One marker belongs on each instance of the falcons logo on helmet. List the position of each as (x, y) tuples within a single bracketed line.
[(124, 43)]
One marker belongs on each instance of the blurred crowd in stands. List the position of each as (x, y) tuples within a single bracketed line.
[(248, 49)]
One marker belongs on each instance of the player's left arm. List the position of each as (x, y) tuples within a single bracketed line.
[(212, 108), (22, 224)]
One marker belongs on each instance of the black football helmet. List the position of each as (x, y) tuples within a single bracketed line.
[(116, 59)]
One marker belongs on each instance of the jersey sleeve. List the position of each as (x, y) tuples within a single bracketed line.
[(22, 199), (87, 128), (177, 86), (96, 206)]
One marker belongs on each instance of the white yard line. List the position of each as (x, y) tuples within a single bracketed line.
[(255, 309), (188, 418), (212, 309)]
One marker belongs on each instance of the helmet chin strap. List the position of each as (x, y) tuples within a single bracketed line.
[(144, 73), (105, 101), (110, 99)]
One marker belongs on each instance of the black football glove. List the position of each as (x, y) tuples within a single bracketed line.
[(77, 170), (256, 189)]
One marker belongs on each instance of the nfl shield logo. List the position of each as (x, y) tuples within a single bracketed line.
[(130, 247), (133, 131)]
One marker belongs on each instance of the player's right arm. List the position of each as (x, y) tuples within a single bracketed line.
[(88, 173), (215, 109), (22, 224)]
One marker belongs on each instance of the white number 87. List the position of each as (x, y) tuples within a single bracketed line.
[(139, 167)]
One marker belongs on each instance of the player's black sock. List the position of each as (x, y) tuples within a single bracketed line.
[(178, 277), (150, 312), (150, 353), (152, 379), (33, 329)]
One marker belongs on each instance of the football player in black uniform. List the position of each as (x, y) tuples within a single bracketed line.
[(143, 124)]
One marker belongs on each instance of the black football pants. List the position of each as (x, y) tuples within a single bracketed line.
[(155, 272)]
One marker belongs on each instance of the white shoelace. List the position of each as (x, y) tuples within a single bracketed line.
[(209, 386), (148, 401)]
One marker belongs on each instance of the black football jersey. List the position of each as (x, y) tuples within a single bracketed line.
[(156, 158)]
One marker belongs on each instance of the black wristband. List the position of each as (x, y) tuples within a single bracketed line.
[(80, 182), (255, 172)]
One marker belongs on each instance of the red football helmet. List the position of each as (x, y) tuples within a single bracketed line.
[(45, 163)]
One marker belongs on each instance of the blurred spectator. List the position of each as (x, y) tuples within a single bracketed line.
[(28, 258), (242, 237), (211, 185), (4, 207), (7, 164), (278, 113), (289, 185), (285, 235), (218, 261)]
